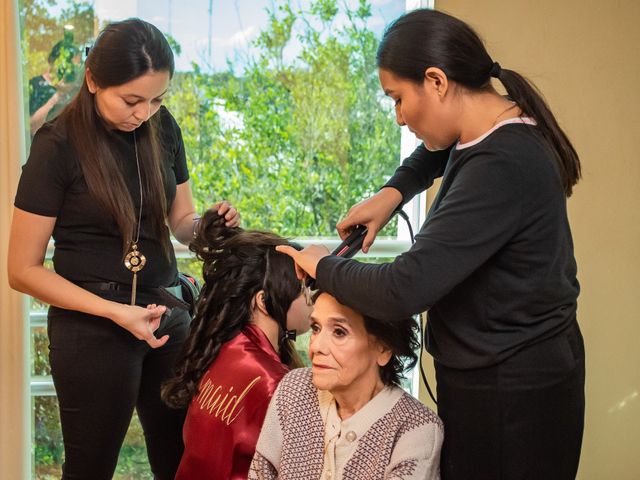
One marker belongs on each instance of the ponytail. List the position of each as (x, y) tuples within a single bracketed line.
[(427, 38), (530, 100)]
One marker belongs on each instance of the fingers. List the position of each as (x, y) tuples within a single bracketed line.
[(153, 323), (295, 254), (288, 250), (222, 207), (307, 259), (355, 216), (156, 310), (344, 227), (232, 218), (230, 214), (368, 240), (154, 342), (300, 273)]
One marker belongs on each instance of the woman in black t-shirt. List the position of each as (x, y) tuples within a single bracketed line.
[(493, 263), (108, 180)]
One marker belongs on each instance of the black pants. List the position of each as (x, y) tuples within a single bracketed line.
[(520, 419), (101, 372)]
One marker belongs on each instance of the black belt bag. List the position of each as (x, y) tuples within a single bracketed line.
[(190, 290), (184, 295)]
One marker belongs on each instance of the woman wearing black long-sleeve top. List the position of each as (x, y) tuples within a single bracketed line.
[(494, 261)]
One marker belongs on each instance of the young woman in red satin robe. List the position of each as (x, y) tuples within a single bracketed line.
[(238, 348)]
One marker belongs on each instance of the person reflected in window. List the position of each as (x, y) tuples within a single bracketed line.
[(493, 263), (50, 91), (346, 416), (108, 179), (238, 347)]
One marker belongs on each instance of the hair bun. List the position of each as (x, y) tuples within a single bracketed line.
[(211, 235)]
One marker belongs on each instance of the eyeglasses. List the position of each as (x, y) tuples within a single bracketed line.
[(306, 291)]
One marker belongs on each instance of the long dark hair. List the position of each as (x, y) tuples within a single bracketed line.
[(427, 38), (122, 52), (237, 264)]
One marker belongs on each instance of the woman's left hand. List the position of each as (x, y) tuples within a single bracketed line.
[(231, 215), (306, 260)]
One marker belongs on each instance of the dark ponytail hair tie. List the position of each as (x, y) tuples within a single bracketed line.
[(495, 71)]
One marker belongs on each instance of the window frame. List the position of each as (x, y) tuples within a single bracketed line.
[(17, 462), (15, 407)]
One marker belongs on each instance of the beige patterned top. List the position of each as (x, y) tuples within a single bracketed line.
[(392, 437)]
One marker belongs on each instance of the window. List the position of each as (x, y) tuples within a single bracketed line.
[(281, 113)]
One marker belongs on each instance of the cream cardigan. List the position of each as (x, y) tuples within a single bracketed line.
[(393, 436)]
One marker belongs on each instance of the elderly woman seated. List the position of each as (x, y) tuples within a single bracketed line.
[(346, 417)]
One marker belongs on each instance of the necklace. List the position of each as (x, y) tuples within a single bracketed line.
[(135, 260), (513, 104)]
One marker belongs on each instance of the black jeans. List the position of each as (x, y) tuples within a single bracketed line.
[(101, 372), (520, 419)]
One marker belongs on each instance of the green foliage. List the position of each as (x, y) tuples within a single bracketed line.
[(40, 31), (291, 140), (275, 38), (292, 143), (175, 46), (48, 449), (53, 45), (325, 10)]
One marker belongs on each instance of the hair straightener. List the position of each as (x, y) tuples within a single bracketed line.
[(347, 248), (350, 246)]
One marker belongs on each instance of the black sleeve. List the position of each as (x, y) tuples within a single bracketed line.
[(418, 171), (45, 176), (478, 215), (175, 146)]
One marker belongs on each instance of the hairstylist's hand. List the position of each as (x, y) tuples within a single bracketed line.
[(231, 215), (374, 213), (142, 322), (306, 260)]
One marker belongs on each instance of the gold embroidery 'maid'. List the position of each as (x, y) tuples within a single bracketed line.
[(223, 405)]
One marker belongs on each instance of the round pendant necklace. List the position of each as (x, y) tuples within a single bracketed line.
[(135, 260)]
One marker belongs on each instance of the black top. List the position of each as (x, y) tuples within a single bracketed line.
[(493, 262), (88, 245), (40, 91)]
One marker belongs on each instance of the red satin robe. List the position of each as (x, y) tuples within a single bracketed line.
[(224, 420)]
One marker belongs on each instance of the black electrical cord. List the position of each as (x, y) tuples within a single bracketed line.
[(404, 215), (349, 247)]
